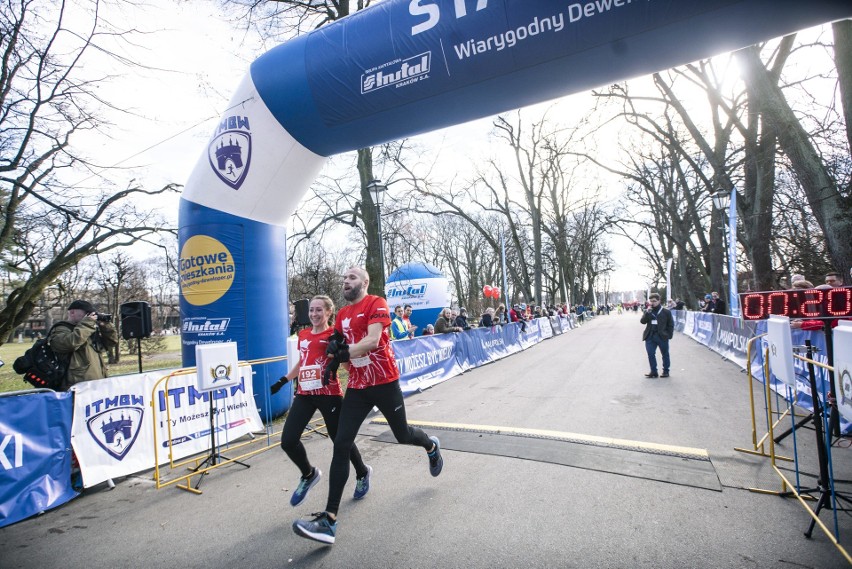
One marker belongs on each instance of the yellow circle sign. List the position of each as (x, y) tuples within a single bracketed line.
[(206, 270)]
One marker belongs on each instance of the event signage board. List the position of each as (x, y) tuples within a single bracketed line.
[(217, 365), (113, 426), (780, 345), (35, 455)]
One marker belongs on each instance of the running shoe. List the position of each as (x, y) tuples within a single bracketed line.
[(362, 485), (305, 485), (321, 528), (436, 461)]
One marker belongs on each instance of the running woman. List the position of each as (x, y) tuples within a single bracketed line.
[(373, 381), (313, 395)]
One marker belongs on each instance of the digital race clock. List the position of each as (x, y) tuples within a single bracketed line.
[(799, 303)]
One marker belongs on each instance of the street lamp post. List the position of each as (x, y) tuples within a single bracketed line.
[(577, 290), (721, 201), (377, 191)]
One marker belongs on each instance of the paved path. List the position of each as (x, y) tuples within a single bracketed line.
[(487, 510)]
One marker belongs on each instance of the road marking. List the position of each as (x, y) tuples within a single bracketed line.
[(560, 435)]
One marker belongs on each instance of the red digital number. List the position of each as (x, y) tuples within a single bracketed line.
[(835, 303), (753, 306), (771, 302), (816, 312)]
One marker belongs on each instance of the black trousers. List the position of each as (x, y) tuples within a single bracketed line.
[(357, 404), (300, 414)]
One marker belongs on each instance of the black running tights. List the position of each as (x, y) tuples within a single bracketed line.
[(357, 404), (300, 414)]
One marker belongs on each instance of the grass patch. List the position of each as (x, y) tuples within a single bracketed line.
[(170, 358)]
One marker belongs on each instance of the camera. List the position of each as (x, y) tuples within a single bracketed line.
[(104, 317)]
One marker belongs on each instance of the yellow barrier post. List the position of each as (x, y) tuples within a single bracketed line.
[(757, 445), (158, 479)]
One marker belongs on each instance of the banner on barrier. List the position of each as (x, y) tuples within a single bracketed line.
[(545, 327), (531, 334), (472, 346), (112, 431), (35, 454), (425, 361)]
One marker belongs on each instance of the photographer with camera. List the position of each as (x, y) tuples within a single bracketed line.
[(83, 338)]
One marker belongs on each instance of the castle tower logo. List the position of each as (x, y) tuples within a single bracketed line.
[(230, 150), (115, 429)]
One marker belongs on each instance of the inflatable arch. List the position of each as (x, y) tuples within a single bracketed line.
[(397, 69)]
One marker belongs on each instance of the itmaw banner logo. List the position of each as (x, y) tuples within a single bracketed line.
[(115, 429)]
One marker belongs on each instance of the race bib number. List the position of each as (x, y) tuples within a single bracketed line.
[(310, 378), (363, 361)]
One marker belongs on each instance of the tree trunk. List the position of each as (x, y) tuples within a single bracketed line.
[(370, 215), (831, 210)]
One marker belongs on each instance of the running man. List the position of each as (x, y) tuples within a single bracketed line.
[(313, 394), (373, 381)]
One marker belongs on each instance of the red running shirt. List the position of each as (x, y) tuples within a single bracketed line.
[(312, 363), (379, 366)]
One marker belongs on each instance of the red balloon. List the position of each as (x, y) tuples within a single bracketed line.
[(486, 290), (496, 292)]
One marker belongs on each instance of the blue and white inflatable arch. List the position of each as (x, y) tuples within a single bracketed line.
[(397, 69)]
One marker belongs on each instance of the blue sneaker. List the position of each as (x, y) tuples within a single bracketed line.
[(436, 461), (362, 485), (321, 528), (305, 485)]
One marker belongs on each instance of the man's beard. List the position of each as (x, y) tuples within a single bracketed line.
[(353, 292)]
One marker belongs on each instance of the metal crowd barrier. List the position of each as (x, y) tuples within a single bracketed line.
[(790, 488), (198, 460)]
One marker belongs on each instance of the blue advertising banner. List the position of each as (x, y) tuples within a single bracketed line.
[(426, 361), (556, 324), (35, 454), (702, 330), (512, 338), (545, 327), (471, 345), (730, 336), (531, 334)]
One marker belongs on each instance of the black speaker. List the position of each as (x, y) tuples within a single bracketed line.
[(135, 320), (302, 312)]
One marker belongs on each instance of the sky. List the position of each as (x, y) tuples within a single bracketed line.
[(195, 59)]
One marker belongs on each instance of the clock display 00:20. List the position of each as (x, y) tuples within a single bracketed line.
[(799, 303)]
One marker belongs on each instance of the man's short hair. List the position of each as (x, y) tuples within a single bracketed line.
[(654, 295), (836, 275)]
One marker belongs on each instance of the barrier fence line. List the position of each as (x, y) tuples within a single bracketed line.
[(198, 460)]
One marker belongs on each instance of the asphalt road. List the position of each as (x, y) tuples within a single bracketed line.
[(486, 509)]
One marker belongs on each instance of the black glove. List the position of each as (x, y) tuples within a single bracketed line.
[(276, 387), (331, 370), (337, 348)]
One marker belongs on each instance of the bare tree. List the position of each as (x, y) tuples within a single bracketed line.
[(46, 97), (828, 197)]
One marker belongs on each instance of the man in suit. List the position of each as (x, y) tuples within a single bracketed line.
[(659, 329)]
